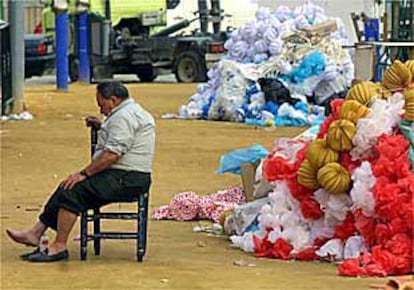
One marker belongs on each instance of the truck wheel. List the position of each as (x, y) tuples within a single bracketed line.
[(73, 69), (189, 67), (146, 75)]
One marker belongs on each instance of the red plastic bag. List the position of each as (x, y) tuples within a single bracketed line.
[(282, 249), (400, 245), (298, 191), (346, 229), (383, 233), (310, 209), (374, 270), (336, 105), (349, 267), (278, 168), (384, 259), (346, 161), (307, 254), (325, 126), (365, 225)]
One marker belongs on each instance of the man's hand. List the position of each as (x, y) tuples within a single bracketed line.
[(93, 122), (72, 179)]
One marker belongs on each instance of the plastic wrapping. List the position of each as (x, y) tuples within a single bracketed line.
[(230, 94), (384, 116), (354, 247), (244, 216), (333, 250), (361, 192)]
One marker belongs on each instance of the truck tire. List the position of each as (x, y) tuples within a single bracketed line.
[(146, 74), (190, 67), (73, 69)]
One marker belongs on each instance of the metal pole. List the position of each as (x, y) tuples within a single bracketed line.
[(1, 10), (84, 68), (108, 9), (62, 63), (16, 19), (216, 15), (203, 15)]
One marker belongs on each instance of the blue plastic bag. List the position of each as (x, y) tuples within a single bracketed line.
[(232, 161), (311, 65)]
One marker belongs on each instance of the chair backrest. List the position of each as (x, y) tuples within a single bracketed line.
[(94, 139)]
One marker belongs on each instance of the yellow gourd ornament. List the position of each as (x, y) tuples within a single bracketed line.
[(340, 135), (307, 175), (334, 178), (319, 153), (398, 75), (352, 110), (409, 104)]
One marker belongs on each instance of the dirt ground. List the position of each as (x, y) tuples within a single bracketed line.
[(36, 155)]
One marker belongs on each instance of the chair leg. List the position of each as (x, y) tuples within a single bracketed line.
[(142, 226), (96, 230), (84, 236)]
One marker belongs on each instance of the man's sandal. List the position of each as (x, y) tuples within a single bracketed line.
[(25, 256), (43, 257)]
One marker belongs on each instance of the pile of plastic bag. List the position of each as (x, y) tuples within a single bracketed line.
[(344, 194), (368, 227), (311, 69)]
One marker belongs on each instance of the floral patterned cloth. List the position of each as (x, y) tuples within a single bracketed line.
[(187, 206)]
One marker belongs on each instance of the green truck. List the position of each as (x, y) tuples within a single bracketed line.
[(131, 37)]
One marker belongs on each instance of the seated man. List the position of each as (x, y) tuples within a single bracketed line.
[(120, 170)]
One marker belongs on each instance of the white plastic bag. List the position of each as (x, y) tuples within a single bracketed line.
[(354, 247), (332, 250)]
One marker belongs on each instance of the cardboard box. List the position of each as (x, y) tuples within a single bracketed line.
[(254, 189), (248, 174), (321, 29)]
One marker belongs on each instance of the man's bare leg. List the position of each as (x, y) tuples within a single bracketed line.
[(29, 237), (66, 221)]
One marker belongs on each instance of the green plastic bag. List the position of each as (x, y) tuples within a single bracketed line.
[(407, 128)]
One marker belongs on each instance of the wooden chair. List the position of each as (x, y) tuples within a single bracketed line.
[(95, 216)]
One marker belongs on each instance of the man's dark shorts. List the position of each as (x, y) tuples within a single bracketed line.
[(111, 185)]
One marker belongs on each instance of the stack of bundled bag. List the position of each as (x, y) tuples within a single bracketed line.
[(348, 195), (277, 48)]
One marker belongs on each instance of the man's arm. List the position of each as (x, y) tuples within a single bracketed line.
[(102, 162)]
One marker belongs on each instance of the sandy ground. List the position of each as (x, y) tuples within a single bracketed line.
[(36, 155)]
